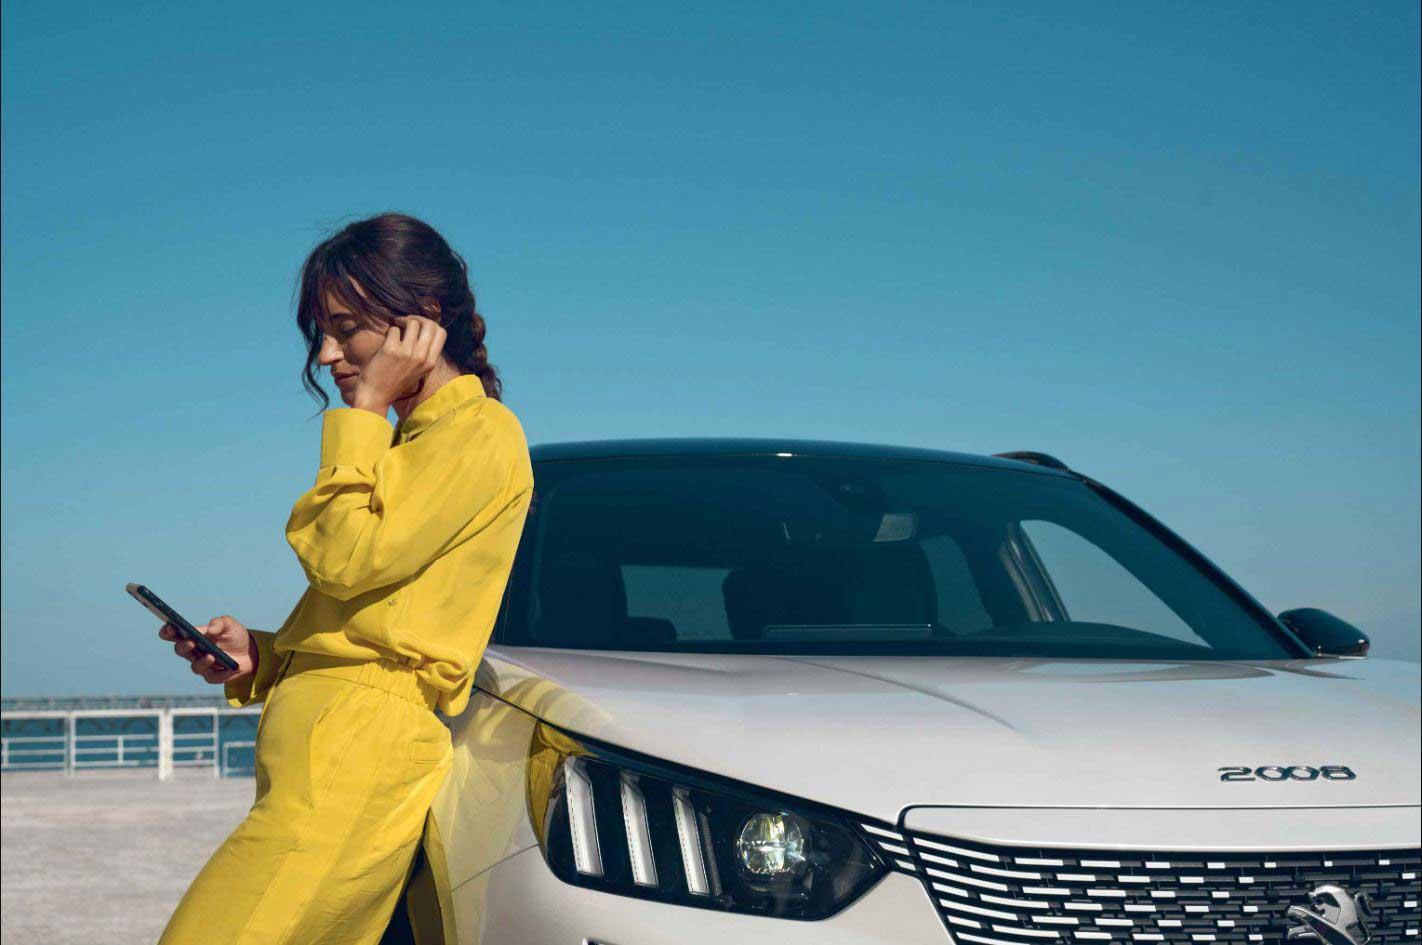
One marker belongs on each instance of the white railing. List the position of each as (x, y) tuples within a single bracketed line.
[(161, 747), (227, 749)]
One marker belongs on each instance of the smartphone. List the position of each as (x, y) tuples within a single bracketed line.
[(187, 631)]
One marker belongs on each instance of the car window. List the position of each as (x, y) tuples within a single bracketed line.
[(790, 555), (1094, 587)]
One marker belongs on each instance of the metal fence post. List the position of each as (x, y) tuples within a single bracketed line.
[(216, 745), (165, 744), (70, 742)]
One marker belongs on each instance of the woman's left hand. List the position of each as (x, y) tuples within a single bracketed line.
[(411, 349)]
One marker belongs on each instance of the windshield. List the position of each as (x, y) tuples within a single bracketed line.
[(817, 555)]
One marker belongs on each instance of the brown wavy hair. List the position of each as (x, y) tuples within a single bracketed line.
[(404, 267)]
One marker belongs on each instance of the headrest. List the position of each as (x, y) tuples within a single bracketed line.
[(893, 583), (805, 591)]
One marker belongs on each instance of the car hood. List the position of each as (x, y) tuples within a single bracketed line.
[(878, 734)]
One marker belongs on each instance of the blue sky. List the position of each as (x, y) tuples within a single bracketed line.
[(1175, 244)]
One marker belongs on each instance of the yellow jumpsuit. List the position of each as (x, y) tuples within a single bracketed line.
[(407, 539)]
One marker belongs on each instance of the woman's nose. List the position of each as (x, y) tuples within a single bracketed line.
[(330, 351)]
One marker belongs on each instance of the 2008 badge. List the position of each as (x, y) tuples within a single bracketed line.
[(1287, 773)]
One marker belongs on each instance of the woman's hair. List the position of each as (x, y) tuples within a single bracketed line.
[(403, 267)]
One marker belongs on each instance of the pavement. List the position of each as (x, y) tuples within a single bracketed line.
[(102, 858)]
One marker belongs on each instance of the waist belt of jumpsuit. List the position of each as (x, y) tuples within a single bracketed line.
[(389, 675)]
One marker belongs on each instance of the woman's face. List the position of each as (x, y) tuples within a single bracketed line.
[(347, 345)]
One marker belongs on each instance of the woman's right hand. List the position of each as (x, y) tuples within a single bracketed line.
[(411, 350), (230, 636)]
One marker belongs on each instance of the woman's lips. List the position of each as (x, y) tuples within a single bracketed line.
[(341, 377)]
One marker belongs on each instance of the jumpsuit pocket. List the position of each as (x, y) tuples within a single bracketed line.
[(429, 749), (268, 706), (302, 743)]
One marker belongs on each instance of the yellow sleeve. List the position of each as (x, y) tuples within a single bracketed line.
[(253, 688), (378, 514)]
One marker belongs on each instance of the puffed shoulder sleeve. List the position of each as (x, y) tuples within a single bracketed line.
[(379, 513), (254, 688)]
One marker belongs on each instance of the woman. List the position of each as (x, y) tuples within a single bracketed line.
[(406, 538)]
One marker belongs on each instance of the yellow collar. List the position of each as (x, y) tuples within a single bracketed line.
[(453, 393)]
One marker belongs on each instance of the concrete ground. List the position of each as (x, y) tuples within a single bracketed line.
[(101, 858)]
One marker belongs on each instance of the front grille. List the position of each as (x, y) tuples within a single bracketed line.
[(990, 895)]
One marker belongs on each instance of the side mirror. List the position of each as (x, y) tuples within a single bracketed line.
[(1325, 634)]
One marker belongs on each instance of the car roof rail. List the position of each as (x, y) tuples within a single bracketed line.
[(1036, 459)]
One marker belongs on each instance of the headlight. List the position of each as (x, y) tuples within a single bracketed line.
[(610, 820)]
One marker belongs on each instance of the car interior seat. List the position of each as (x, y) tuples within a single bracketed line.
[(583, 603), (878, 584)]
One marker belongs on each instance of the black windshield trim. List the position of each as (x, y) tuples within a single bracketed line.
[(595, 451)]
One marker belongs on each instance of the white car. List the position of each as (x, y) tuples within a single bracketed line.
[(802, 692)]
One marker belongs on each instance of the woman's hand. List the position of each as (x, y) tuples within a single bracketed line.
[(411, 349), (230, 636)]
